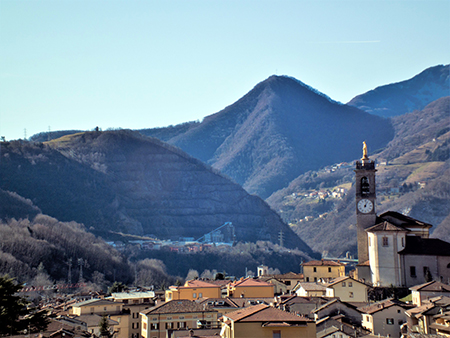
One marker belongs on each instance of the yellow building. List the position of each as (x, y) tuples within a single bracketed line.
[(250, 288), (91, 310), (192, 290), (264, 321), (323, 269), (134, 302), (348, 290), (176, 314)]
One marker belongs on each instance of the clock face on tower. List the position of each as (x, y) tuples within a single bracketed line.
[(365, 206)]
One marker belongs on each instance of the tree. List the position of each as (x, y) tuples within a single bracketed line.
[(15, 317), (105, 330), (117, 287)]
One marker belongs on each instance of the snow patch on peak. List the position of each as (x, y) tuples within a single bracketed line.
[(314, 90)]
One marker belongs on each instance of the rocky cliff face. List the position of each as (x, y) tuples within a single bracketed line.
[(122, 181)]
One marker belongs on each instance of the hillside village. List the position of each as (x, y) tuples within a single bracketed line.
[(399, 288)]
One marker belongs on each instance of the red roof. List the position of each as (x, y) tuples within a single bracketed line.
[(196, 283), (250, 282), (265, 313)]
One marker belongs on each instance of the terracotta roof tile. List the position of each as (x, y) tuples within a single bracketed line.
[(322, 262), (385, 226), (431, 286), (250, 282), (178, 306), (379, 306), (264, 313), (197, 283), (312, 286)]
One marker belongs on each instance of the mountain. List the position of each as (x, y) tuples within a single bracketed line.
[(123, 181), (413, 178), (278, 130), (406, 96)]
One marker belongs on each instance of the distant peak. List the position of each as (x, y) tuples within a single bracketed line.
[(304, 85)]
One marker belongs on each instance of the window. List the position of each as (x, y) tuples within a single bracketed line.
[(314, 269), (288, 282), (181, 325), (169, 325), (365, 188), (398, 311), (329, 269), (350, 284), (385, 241), (427, 274), (403, 242), (307, 279), (200, 295), (315, 279), (154, 326), (194, 295), (412, 271), (370, 241), (350, 294), (343, 284), (276, 334), (390, 321), (144, 325)]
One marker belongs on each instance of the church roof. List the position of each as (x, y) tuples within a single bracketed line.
[(385, 226), (416, 245), (401, 220)]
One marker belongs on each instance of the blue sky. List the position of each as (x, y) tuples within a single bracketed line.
[(142, 64)]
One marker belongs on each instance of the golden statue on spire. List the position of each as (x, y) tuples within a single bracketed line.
[(364, 150)]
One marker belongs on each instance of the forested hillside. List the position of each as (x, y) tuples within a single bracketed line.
[(278, 130), (123, 181)]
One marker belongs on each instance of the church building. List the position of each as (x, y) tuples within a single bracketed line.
[(394, 249)]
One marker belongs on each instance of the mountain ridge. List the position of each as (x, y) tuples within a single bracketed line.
[(123, 181), (274, 132), (406, 96)]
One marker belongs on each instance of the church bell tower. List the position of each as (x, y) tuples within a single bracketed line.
[(365, 202)]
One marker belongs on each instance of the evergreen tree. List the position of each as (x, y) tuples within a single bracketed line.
[(15, 317), (105, 331)]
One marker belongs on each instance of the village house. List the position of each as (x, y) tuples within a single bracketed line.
[(91, 312), (221, 305), (194, 289), (347, 289), (250, 288), (336, 307), (279, 287), (385, 317), (310, 289), (266, 322), (303, 306), (423, 292), (176, 314), (421, 319), (442, 324), (134, 302), (316, 270)]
